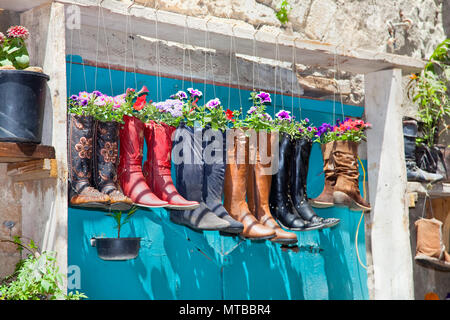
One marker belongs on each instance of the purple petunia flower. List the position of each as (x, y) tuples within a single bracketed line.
[(251, 110), (83, 96), (306, 120), (264, 97), (179, 95), (74, 97), (214, 103), (284, 115), (97, 93), (83, 102), (194, 92)]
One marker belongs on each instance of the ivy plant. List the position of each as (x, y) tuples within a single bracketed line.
[(283, 11)]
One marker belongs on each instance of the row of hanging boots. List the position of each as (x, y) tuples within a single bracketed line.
[(99, 178)]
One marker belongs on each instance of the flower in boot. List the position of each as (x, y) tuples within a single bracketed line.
[(17, 32), (284, 115), (214, 103), (229, 115), (74, 97), (100, 101), (264, 97), (179, 95), (2, 38), (194, 92), (251, 110), (140, 103)]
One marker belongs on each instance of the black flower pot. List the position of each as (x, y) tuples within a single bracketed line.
[(22, 102), (116, 249)]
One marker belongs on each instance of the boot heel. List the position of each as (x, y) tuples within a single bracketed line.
[(342, 199)]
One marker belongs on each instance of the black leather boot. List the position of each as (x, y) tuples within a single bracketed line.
[(299, 173), (188, 161), (280, 203), (80, 137), (413, 172), (214, 163), (106, 159)]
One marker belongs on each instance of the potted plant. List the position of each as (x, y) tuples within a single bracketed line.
[(429, 89), (36, 277), (118, 249), (22, 90)]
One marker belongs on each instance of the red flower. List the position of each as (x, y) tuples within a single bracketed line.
[(18, 32), (140, 103), (229, 115), (143, 91), (2, 38)]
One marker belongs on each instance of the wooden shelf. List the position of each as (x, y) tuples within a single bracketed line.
[(437, 190), (32, 170), (11, 152)]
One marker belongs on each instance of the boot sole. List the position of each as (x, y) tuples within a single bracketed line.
[(93, 205), (145, 206), (120, 206), (193, 227), (177, 207), (230, 232), (342, 199), (285, 241), (321, 205), (300, 229), (256, 239)]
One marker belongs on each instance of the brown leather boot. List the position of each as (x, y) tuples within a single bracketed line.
[(235, 187), (325, 199), (346, 191), (106, 159), (80, 154), (258, 191)]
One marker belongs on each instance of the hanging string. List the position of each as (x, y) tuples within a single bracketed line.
[(210, 57), (184, 50), (229, 72), (126, 49), (254, 57), (334, 91), (107, 51), (206, 54), (83, 64), (281, 80), (295, 71), (133, 56), (237, 69), (98, 40), (158, 78), (71, 61), (189, 53), (340, 92), (276, 68), (293, 78)]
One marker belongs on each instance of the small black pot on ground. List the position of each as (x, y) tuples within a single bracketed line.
[(117, 249), (22, 102)]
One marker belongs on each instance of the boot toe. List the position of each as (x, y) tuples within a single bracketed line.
[(283, 236)]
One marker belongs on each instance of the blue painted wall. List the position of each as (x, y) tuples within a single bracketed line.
[(178, 263)]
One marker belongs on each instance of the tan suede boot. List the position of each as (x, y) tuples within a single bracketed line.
[(325, 199), (346, 191)]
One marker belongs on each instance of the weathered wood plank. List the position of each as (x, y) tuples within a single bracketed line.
[(174, 27), (441, 211), (392, 276), (33, 170), (16, 152)]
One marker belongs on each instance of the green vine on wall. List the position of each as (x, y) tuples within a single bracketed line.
[(283, 12)]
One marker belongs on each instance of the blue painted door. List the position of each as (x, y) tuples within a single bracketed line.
[(178, 263)]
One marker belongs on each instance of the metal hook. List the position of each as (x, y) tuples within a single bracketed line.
[(206, 24), (101, 2)]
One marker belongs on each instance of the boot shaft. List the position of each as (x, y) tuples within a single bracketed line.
[(80, 151), (106, 136), (131, 135), (301, 149), (280, 186), (187, 153)]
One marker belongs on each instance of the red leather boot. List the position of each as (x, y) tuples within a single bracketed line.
[(130, 175), (158, 164)]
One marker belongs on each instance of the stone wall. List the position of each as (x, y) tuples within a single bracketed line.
[(418, 26)]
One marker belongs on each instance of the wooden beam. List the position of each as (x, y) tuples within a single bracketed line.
[(33, 170), (192, 30), (392, 271), (17, 152)]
